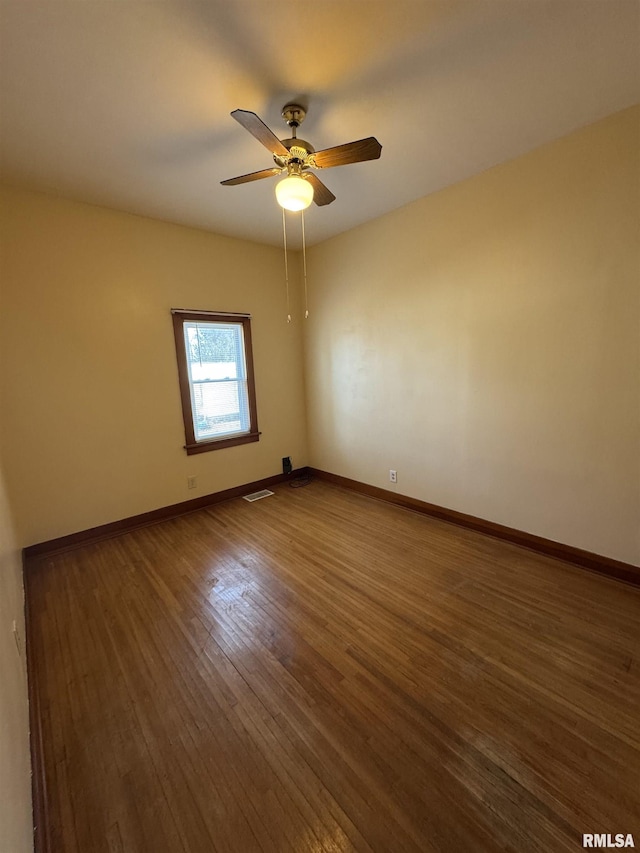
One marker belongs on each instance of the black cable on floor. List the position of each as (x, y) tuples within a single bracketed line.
[(301, 481)]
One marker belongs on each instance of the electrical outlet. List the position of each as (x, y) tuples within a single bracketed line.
[(393, 476), (192, 482)]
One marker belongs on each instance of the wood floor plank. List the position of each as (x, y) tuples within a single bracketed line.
[(321, 671)]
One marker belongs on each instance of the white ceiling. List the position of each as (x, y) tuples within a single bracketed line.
[(126, 104)]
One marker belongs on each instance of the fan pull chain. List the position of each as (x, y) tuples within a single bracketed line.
[(304, 268), (286, 265)]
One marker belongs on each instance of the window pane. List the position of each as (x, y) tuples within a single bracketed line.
[(215, 370), (214, 350), (217, 379), (219, 408)]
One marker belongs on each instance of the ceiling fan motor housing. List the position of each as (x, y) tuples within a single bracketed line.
[(299, 150)]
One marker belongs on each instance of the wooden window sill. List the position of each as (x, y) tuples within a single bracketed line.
[(219, 443)]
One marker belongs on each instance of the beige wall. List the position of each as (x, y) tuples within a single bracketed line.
[(92, 423), (16, 825), (484, 342)]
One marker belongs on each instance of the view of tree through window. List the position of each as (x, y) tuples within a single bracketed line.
[(207, 343)]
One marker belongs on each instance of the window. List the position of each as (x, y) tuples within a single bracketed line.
[(215, 368)]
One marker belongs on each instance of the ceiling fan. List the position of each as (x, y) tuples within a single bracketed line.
[(297, 157)]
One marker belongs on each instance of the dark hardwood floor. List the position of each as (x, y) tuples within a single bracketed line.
[(320, 671)]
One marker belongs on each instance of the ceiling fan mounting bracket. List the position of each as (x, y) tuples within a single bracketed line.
[(293, 114)]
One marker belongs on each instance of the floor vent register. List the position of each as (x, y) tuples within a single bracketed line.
[(255, 496)]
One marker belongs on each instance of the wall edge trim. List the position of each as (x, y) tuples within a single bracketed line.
[(39, 794), (145, 519), (585, 559)]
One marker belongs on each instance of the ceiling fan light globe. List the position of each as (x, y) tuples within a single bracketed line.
[(294, 193)]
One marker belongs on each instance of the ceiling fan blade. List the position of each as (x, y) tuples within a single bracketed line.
[(259, 129), (350, 152), (252, 176), (321, 195)]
